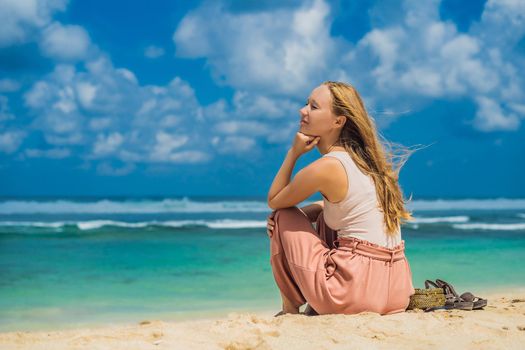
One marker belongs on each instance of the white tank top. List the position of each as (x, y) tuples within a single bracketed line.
[(358, 214)]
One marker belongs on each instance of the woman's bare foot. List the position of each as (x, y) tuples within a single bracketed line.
[(288, 307), (282, 312), (309, 311), (291, 310)]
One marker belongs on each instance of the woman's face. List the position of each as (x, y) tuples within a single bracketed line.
[(317, 118)]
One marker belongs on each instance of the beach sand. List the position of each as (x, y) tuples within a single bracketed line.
[(501, 325)]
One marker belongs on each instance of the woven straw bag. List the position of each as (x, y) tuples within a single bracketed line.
[(425, 298)]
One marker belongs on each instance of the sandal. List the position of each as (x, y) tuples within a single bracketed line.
[(479, 303), (434, 308), (452, 299), (429, 283)]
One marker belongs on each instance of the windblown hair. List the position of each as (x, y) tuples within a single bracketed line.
[(375, 157)]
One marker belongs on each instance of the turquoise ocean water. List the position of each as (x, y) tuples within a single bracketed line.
[(79, 262)]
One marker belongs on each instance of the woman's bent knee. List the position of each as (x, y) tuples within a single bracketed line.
[(288, 212), (290, 209)]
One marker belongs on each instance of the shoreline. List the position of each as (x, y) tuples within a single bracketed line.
[(501, 324), (213, 314)]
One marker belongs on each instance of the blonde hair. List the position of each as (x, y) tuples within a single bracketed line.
[(360, 138)]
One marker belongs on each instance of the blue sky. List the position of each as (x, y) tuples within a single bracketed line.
[(201, 98)]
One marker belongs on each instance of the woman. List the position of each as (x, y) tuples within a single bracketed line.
[(353, 260)]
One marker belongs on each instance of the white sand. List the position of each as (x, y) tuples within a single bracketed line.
[(501, 325)]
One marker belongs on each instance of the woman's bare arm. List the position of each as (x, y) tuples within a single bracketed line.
[(313, 210), (283, 175)]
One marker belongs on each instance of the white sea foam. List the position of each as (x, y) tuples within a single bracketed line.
[(439, 219), (55, 224), (96, 224), (186, 205), (488, 226), (467, 204), (226, 223), (458, 222), (106, 206)]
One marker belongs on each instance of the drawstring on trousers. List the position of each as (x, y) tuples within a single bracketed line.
[(331, 266), (391, 259)]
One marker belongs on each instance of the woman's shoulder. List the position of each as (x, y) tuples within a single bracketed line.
[(328, 163), (329, 169), (340, 158)]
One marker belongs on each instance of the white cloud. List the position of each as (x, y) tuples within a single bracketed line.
[(502, 23), (104, 113), (191, 156), (100, 123), (166, 144), (10, 136), (54, 102), (9, 85), (106, 145), (255, 116), (170, 120), (280, 52), (423, 57), (154, 51), (248, 127), (54, 153), (271, 58), (65, 42), (105, 168), (233, 144), (404, 61), (38, 95), (491, 116), (74, 138), (250, 105), (11, 140), (127, 74), (86, 92), (20, 20), (5, 113)]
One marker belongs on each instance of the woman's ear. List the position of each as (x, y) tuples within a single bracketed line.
[(341, 120)]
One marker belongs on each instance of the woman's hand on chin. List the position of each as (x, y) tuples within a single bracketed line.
[(303, 143)]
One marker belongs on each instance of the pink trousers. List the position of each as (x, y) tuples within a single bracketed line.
[(336, 276)]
